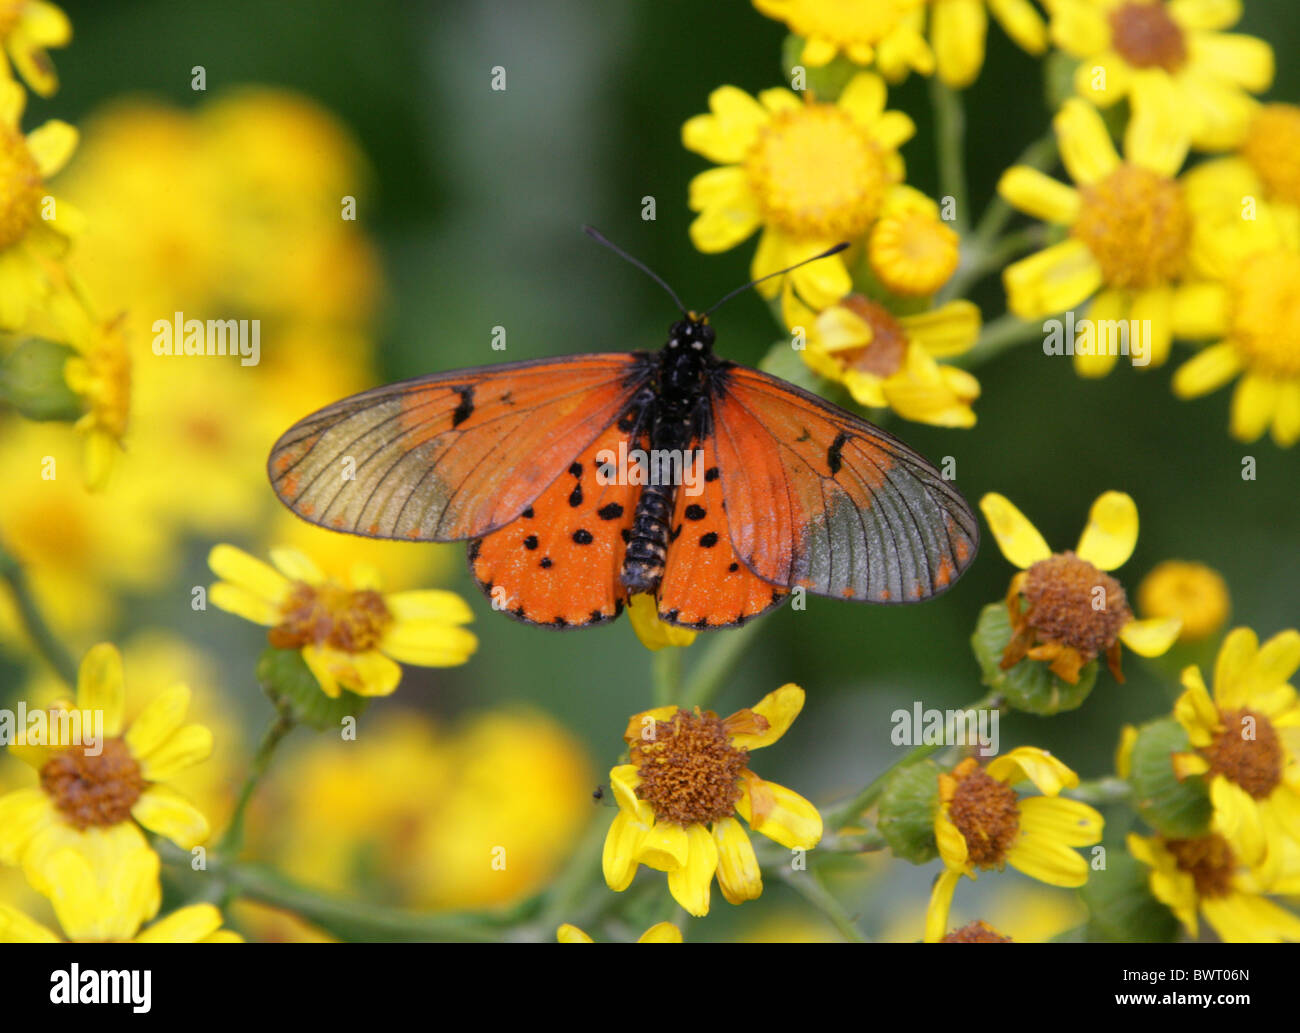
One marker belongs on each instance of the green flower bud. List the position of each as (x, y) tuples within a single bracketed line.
[(1177, 809), (1120, 905), (1029, 685), (907, 809), (31, 380), (825, 83), (289, 684)]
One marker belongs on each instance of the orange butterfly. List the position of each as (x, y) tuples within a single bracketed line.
[(583, 480)]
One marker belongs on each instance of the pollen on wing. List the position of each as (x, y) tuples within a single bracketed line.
[(690, 771)]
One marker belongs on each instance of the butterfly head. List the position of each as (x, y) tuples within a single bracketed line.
[(692, 334)]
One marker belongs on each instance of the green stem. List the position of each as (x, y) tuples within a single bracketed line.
[(950, 147), (998, 336), (846, 813), (712, 669), (1041, 155), (809, 886), (976, 264), (47, 645), (233, 840), (1100, 791), (666, 671)]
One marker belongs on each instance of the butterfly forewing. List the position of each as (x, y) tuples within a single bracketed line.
[(450, 456), (820, 499)]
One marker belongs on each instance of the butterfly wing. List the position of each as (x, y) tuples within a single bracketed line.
[(558, 564), (454, 455), (705, 584), (821, 499)]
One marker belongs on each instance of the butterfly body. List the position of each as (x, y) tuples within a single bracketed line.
[(772, 489)]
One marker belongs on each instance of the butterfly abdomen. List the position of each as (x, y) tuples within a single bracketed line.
[(647, 547)]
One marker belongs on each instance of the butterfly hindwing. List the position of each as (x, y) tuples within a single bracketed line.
[(558, 563), (705, 584), (453, 455), (821, 499)]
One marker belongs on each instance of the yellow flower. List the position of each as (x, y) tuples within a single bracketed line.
[(1139, 48), (982, 822), (101, 375), (958, 29), (350, 633), (1075, 611), (1246, 301), (678, 797), (663, 932), (27, 27), (810, 175), (1194, 593), (33, 225), (92, 795), (654, 633), (1203, 876), (1272, 151), (198, 923), (1246, 743), (862, 30), (887, 360), (911, 250), (1130, 228)]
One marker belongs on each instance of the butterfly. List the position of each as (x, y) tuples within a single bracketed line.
[(582, 481)]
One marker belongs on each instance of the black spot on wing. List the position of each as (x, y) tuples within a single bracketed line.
[(834, 457), (466, 407)]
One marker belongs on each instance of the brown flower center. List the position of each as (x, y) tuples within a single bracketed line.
[(690, 772), (94, 790), (888, 348), (353, 621), (987, 814), (1137, 225), (1075, 604), (1208, 860), (1146, 36), (1247, 752), (976, 932)]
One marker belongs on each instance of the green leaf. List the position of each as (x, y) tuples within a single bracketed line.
[(1030, 685), (825, 83), (1120, 905), (1180, 810), (908, 805), (289, 683)]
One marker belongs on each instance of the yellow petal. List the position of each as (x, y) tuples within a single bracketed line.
[(689, 883), (1238, 58), (779, 708), (1068, 822), (191, 924), (158, 720), (623, 781), (1086, 147), (957, 32), (1207, 371), (428, 643), (665, 847), (739, 876), (653, 633), (1278, 658), (296, 565), (51, 146), (169, 814), (242, 570), (726, 134), (1022, 23), (1253, 405), (663, 932), (1236, 655), (429, 604), (15, 927), (944, 332), (1201, 311), (953, 850), (730, 211), (23, 813), (792, 821), (1152, 637), (243, 603), (1056, 279), (1039, 195), (864, 98), (1048, 861), (101, 686), (1286, 414), (622, 847), (1112, 531), (1047, 773), (936, 914), (1194, 709), (1158, 133), (571, 934), (1018, 539), (184, 748)]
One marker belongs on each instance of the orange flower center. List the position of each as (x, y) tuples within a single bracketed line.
[(885, 354), (1146, 36), (1247, 752), (1266, 312), (1208, 860), (976, 932), (987, 814), (817, 174), (20, 187), (94, 790), (1137, 225), (690, 771), (913, 254), (1272, 148), (1075, 604), (328, 614)]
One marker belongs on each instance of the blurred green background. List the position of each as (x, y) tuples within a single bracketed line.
[(476, 204)]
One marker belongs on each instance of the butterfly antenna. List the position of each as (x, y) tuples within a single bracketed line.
[(600, 238), (780, 272)]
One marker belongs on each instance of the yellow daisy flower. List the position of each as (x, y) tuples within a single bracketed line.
[(350, 633), (1129, 226), (887, 360), (1194, 593), (983, 823), (1246, 743), (1272, 151), (809, 175), (1138, 48), (101, 375), (1204, 877), (663, 932), (861, 30), (92, 795), (1247, 301), (688, 774), (1054, 600), (33, 225), (27, 27), (958, 31), (911, 250), (198, 923)]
